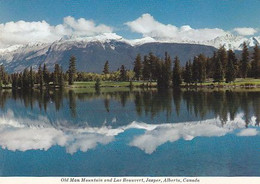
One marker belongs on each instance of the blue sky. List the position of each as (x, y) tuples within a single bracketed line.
[(198, 14)]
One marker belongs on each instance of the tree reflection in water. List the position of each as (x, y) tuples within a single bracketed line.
[(224, 104)]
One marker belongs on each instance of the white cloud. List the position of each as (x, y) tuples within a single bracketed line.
[(149, 27), (245, 31), (21, 32)]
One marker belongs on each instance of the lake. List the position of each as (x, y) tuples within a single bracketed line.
[(122, 132)]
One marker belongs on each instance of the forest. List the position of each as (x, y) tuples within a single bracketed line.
[(222, 66)]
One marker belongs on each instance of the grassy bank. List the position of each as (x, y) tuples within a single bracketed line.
[(240, 82), (110, 84)]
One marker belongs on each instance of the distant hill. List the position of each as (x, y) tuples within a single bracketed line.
[(91, 55)]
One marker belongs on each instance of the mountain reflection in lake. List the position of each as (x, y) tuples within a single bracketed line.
[(169, 133)]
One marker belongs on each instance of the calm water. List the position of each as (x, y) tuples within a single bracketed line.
[(130, 133)]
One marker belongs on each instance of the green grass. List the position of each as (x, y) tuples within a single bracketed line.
[(238, 82), (91, 84)]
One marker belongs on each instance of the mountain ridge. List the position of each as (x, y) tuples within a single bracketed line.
[(92, 52)]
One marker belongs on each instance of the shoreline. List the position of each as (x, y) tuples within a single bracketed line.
[(183, 86)]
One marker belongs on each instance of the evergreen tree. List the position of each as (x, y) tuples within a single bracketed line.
[(106, 68), (231, 70), (209, 68), (61, 78), (31, 76), (160, 80), (97, 85), (256, 62), (201, 68), (3, 75), (46, 75), (164, 72), (72, 69), (40, 77), (244, 61), (14, 80), (222, 56), (233, 58), (176, 77), (138, 67), (154, 63), (146, 69), (188, 73), (218, 73), (195, 70), (56, 75), (20, 80), (26, 79), (122, 73)]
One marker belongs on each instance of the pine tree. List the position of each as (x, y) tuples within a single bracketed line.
[(61, 78), (138, 67), (106, 68), (40, 77), (188, 73), (153, 61), (244, 61), (14, 80), (3, 75), (46, 75), (209, 68), (160, 76), (218, 73), (167, 70), (176, 77), (146, 69), (233, 58), (97, 85), (222, 56), (195, 70), (256, 62), (122, 73), (231, 70), (72, 69), (20, 80), (201, 68), (56, 75), (31, 78), (26, 79)]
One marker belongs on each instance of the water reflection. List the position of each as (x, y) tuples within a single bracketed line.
[(80, 120), (25, 134), (147, 103)]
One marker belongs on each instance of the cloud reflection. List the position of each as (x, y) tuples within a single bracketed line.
[(151, 139), (17, 133)]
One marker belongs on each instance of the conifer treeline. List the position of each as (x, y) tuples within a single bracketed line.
[(41, 79), (223, 66)]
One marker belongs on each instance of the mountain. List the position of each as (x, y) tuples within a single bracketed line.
[(232, 42), (92, 52)]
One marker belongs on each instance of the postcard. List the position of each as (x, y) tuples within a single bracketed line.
[(129, 91)]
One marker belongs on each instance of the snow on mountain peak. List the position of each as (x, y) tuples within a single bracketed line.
[(141, 41), (101, 38), (10, 49), (229, 41)]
